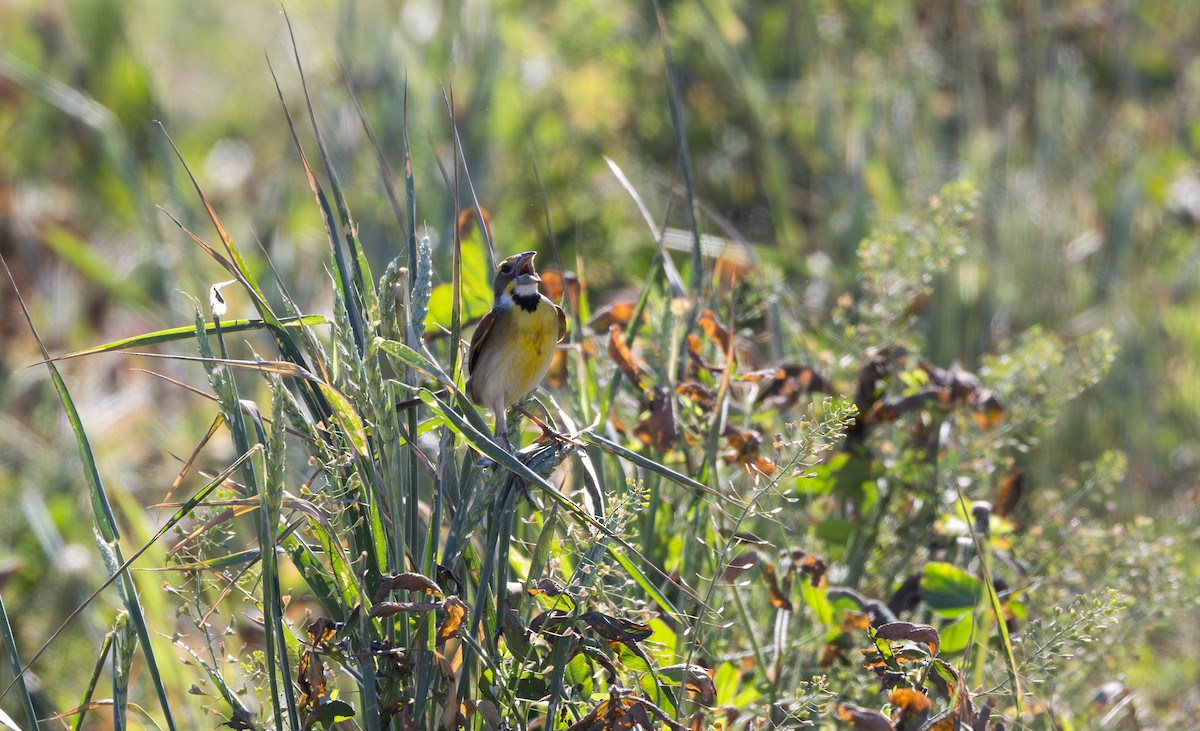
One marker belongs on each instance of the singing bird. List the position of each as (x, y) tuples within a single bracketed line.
[(514, 343)]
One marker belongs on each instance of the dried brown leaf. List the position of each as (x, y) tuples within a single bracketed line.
[(1008, 493), (778, 599), (321, 630), (657, 428), (407, 582), (788, 383), (616, 629), (547, 586), (387, 609), (618, 313), (863, 718), (740, 564), (920, 633), (622, 356), (698, 394), (467, 219), (746, 452)]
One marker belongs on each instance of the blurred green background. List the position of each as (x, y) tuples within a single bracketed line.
[(807, 124)]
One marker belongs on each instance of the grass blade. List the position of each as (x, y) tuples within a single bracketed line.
[(188, 332), (10, 649)]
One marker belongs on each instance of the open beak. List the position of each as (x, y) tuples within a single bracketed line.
[(525, 271)]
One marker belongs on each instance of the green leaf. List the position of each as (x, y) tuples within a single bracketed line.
[(834, 531), (957, 635), (476, 289), (816, 597), (949, 590), (727, 679), (532, 687), (656, 693), (631, 659), (579, 673), (332, 712)]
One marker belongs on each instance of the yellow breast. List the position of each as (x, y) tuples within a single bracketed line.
[(516, 355)]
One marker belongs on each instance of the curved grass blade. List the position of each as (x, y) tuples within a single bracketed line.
[(171, 522), (685, 160), (364, 284), (106, 527), (656, 467), (345, 278), (188, 332), (90, 690), (10, 649), (237, 267)]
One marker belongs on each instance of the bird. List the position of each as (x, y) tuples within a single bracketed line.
[(513, 345)]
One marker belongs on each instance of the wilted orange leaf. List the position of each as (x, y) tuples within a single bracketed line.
[(788, 383), (547, 586), (733, 265), (657, 428), (853, 621), (619, 351), (778, 599), (452, 624), (467, 219), (912, 707), (989, 411), (948, 721), (808, 564), (746, 452), (558, 285), (321, 630), (714, 329), (618, 313), (310, 676), (698, 394)]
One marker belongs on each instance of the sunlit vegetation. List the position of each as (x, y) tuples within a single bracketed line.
[(875, 409)]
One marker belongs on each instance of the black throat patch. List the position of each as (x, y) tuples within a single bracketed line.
[(528, 303)]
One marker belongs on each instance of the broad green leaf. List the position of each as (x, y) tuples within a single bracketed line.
[(816, 597), (476, 287), (656, 693), (956, 635), (727, 680), (579, 673), (332, 712), (834, 531), (949, 590)]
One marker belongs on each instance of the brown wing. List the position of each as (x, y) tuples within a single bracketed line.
[(562, 323), (478, 338)]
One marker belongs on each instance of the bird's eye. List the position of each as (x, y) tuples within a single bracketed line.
[(505, 268)]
